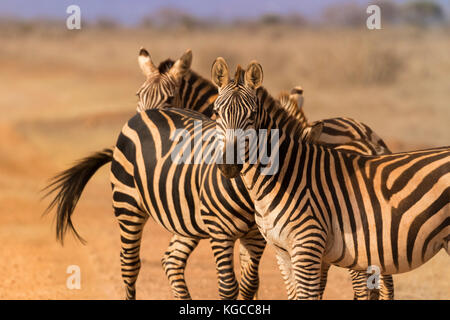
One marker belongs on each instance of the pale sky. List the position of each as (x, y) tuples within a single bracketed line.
[(130, 12)]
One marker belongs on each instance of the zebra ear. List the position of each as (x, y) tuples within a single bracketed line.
[(219, 73), (315, 130), (182, 65), (146, 64), (253, 75), (297, 96)]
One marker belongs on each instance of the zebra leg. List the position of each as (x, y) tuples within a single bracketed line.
[(362, 292), (250, 251), (285, 265), (323, 277), (306, 257), (223, 254), (174, 264), (386, 287), (131, 225), (360, 289)]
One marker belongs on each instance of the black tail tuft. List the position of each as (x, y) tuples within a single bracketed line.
[(69, 185)]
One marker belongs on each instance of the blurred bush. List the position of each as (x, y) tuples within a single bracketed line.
[(420, 13), (423, 13)]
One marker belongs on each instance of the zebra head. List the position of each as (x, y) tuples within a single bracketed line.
[(161, 88), (236, 110)]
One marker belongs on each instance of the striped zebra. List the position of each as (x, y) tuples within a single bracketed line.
[(325, 206), (165, 87)]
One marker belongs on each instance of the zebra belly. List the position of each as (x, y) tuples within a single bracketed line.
[(171, 198), (392, 250)]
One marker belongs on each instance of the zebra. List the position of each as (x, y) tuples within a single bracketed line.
[(165, 87), (325, 206), (339, 133)]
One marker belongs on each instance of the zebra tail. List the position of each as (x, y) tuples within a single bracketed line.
[(69, 185)]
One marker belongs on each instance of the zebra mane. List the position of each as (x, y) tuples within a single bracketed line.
[(272, 111), (196, 92), (165, 65)]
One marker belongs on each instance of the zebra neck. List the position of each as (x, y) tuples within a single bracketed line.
[(273, 160), (198, 94), (281, 130)]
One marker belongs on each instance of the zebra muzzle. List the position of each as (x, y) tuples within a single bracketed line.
[(230, 171), (231, 165)]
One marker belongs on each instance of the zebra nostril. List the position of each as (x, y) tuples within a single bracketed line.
[(230, 170)]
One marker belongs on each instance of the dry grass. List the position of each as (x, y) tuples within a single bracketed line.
[(66, 93)]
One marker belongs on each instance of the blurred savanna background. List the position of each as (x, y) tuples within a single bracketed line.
[(66, 93)]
